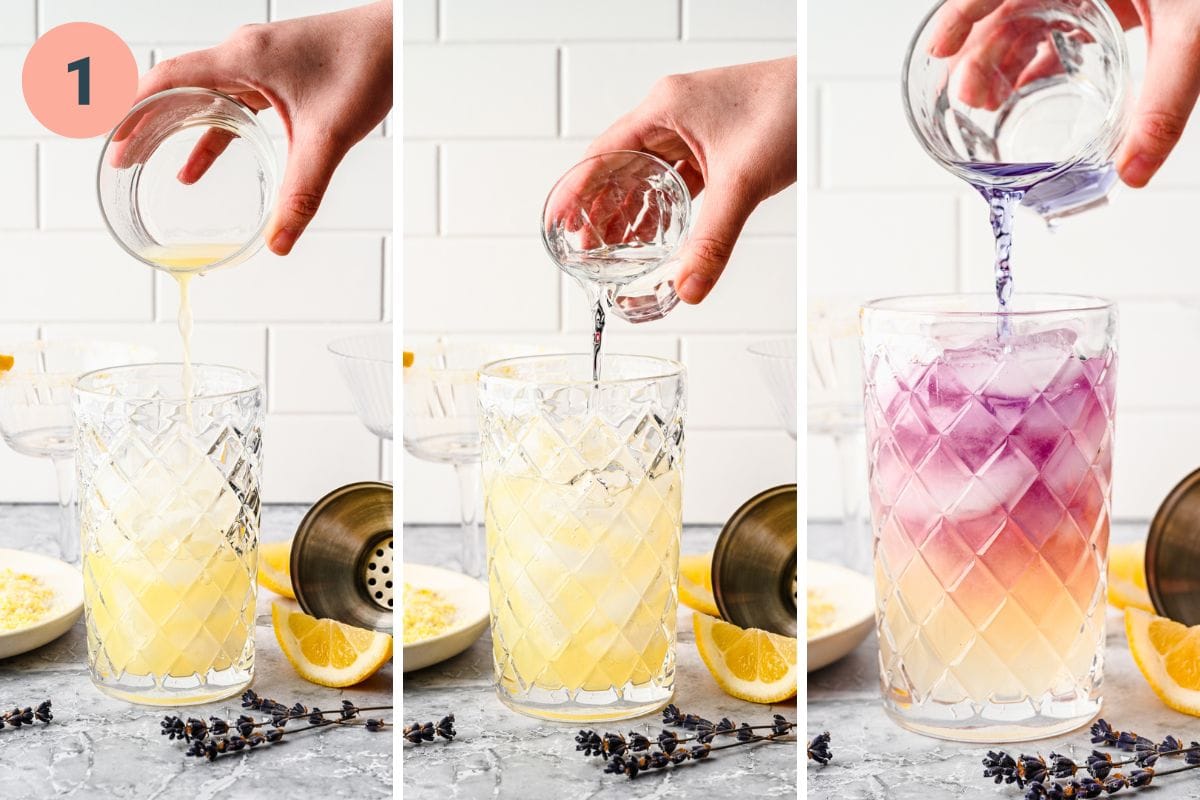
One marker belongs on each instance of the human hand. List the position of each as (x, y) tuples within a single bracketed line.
[(328, 76), (1005, 56), (731, 133)]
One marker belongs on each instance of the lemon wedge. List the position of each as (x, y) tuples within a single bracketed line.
[(409, 357), (6, 362), (747, 663), (1127, 576), (695, 584), (275, 568), (328, 652), (1168, 654)]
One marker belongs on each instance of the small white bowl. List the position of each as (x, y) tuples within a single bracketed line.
[(470, 599), (852, 595), (67, 584)]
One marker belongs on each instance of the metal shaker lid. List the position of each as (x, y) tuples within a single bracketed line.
[(754, 563), (1173, 553), (342, 564)]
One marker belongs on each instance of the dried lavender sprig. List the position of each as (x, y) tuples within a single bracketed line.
[(633, 765), (818, 749), (215, 747), (1090, 787), (706, 730), (592, 743), (416, 733), (25, 716), (198, 729)]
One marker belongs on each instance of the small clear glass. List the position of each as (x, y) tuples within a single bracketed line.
[(991, 478), (583, 483), (35, 411), (366, 365), (1041, 109), (169, 501), (615, 223), (187, 181)]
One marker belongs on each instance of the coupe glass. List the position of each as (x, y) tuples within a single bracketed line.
[(35, 411), (835, 410), (1035, 102), (777, 361), (583, 483), (990, 475), (441, 424), (169, 498), (366, 365)]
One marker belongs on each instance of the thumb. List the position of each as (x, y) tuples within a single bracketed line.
[(707, 251), (310, 165), (1168, 95)]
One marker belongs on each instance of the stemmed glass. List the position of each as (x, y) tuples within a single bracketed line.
[(835, 410), (441, 424), (35, 410), (777, 363), (366, 365)]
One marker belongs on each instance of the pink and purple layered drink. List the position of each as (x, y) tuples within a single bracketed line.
[(990, 466)]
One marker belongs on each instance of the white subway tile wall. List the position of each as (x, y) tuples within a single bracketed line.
[(501, 99), (884, 219), (64, 277)]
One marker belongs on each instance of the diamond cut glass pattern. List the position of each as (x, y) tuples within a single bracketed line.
[(583, 486), (169, 504), (990, 475)]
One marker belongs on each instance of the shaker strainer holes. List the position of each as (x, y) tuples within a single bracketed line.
[(379, 561)]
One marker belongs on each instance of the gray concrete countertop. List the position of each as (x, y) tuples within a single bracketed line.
[(502, 754), (874, 758), (100, 747)]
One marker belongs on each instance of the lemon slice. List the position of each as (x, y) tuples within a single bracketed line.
[(6, 362), (408, 358), (328, 652), (275, 568), (747, 663), (695, 584), (1127, 576), (1168, 654)]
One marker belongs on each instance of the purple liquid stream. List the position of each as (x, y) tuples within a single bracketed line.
[(1078, 187)]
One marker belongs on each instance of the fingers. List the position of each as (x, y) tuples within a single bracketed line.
[(211, 144), (310, 165), (1168, 96), (954, 22), (198, 68), (707, 251)]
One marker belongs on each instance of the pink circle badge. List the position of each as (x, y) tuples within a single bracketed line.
[(79, 79)]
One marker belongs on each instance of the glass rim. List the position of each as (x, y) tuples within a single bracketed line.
[(254, 383), (758, 348), (492, 370), (254, 243), (337, 347), (897, 304)]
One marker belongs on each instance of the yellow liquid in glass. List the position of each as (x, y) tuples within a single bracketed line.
[(583, 587), (170, 576)]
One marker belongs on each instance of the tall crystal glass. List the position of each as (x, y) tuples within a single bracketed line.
[(990, 461), (169, 502), (583, 483)]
